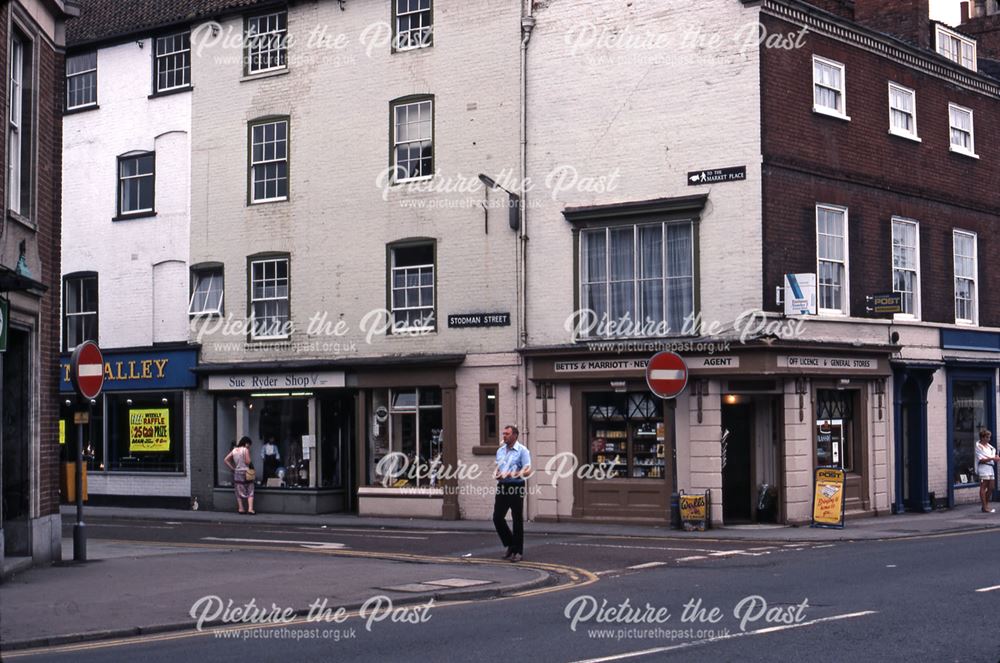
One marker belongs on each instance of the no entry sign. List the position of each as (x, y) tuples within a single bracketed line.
[(87, 370), (666, 374)]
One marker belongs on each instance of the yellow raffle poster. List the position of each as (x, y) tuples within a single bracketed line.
[(62, 431), (828, 503), (149, 430)]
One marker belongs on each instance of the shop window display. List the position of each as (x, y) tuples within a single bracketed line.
[(627, 435), (406, 423), (145, 432), (968, 415)]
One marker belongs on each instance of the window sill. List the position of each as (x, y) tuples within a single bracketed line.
[(199, 315), (21, 219), (411, 48), (831, 313), (415, 332), (136, 215), (80, 109), (402, 491), (906, 317), (172, 91), (964, 153), (820, 110), (900, 134), (265, 201), (271, 73), (966, 323), (268, 339), (412, 180)]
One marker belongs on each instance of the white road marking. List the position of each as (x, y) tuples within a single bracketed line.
[(317, 545), (828, 545), (691, 558), (763, 631), (365, 536), (988, 589), (648, 565), (610, 545)]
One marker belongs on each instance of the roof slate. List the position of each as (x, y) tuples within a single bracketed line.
[(102, 20)]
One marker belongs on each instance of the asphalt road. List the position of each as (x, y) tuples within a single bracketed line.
[(901, 600)]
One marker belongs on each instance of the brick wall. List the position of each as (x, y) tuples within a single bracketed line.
[(812, 158), (908, 20)]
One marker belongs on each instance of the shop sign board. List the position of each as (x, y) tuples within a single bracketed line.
[(666, 374), (276, 381), (146, 369), (149, 430), (694, 512), (886, 302), (811, 362), (828, 500)]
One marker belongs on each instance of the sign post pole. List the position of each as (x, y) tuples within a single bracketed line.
[(87, 376), (79, 531), (667, 376)]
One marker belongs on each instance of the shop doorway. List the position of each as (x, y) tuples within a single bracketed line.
[(337, 430), (910, 411), (16, 442), (751, 451), (840, 441), (737, 460)]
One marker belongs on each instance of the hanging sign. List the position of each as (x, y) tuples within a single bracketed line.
[(149, 430), (828, 502)]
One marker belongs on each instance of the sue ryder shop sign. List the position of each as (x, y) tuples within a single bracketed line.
[(129, 371), (276, 381)]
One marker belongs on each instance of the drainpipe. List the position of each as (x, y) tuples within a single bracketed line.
[(527, 25)]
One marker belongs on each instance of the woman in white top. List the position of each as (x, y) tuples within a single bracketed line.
[(238, 460), (986, 456)]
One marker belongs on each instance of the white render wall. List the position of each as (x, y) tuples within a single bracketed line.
[(336, 225), (641, 118), (124, 253)]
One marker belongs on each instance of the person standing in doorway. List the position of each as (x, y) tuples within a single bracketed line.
[(986, 459), (513, 467)]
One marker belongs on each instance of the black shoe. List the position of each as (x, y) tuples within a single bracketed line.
[(510, 553)]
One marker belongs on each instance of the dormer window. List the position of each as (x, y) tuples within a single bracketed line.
[(957, 48)]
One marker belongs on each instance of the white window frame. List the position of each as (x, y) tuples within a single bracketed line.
[(277, 282), (170, 57), (80, 74), (264, 162), (78, 281), (416, 104), (974, 279), (896, 221), (15, 120), (845, 287), (956, 47), (254, 41), (961, 149), (414, 37), (585, 280), (840, 112), (420, 271), (893, 128), (214, 275), (141, 177)]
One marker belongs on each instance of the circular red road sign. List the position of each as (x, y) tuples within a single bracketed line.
[(666, 374), (87, 370)]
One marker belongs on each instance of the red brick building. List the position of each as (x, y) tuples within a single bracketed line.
[(881, 148), (32, 58)]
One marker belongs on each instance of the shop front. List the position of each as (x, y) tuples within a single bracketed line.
[(750, 428), (333, 437), (136, 440)]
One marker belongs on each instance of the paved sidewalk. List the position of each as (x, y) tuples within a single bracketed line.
[(966, 517), (128, 590)]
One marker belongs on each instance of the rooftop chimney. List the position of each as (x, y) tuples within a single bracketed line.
[(908, 20), (984, 26)]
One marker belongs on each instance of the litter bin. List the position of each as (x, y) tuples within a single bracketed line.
[(767, 503)]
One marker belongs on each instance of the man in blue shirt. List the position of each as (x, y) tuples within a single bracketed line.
[(513, 467)]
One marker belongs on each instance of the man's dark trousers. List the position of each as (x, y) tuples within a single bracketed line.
[(510, 497)]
